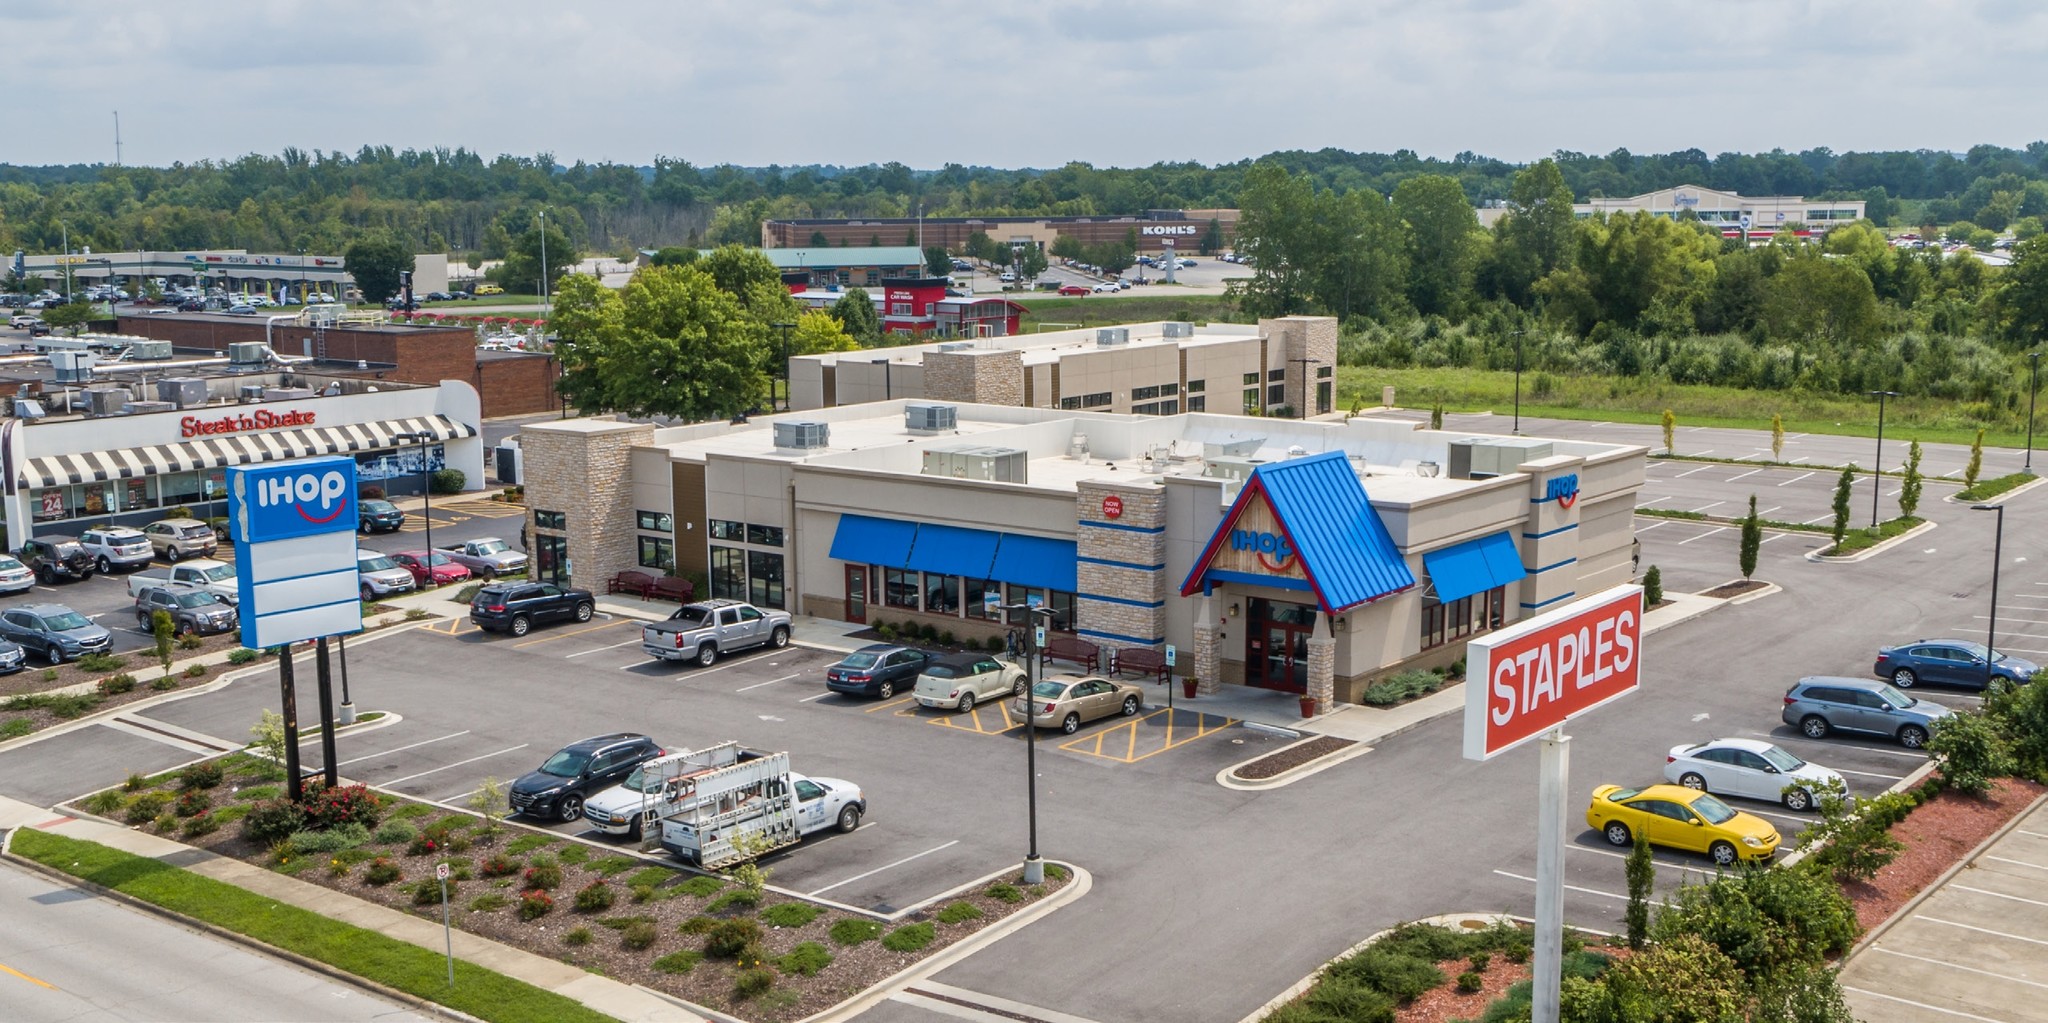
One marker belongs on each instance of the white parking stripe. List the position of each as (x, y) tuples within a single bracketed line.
[(1869, 774), (422, 742), (459, 763), (1984, 930), (1569, 887), (1702, 536), (1793, 817), (1745, 475), (582, 653), (1921, 1005), (1797, 478), (883, 867), (1704, 507), (770, 682), (1959, 966), (1769, 510), (820, 696), (1689, 472), (1673, 864), (2018, 863), (1660, 525), (1997, 895)]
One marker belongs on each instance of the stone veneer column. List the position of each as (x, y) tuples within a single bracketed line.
[(1322, 666), (583, 469), (985, 376), (1550, 538), (1207, 671), (1121, 565)]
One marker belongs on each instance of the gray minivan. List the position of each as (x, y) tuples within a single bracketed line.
[(1821, 704)]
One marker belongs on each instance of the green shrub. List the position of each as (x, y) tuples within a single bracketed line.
[(612, 866), (1056, 872), (1470, 981), (103, 802), (697, 925), (205, 775), (678, 962), (791, 914), (105, 662), (115, 685), (534, 904), (543, 874), (411, 810), (396, 832), (577, 938), (1481, 960), (428, 892), (345, 804), (994, 644), (910, 938), (15, 728), (595, 897), (575, 855), (1398, 975), (649, 877), (1003, 891), (165, 823), (638, 935), (489, 902), (163, 684), (853, 930), (1401, 686), (1971, 752), (348, 836), (498, 865), (959, 913), (728, 938), (806, 959), (1513, 1007), (230, 814), (753, 983), (189, 641), (743, 898), (145, 807), (447, 481), (1767, 921), (382, 871), (242, 655), (62, 705), (1349, 1001), (702, 886)]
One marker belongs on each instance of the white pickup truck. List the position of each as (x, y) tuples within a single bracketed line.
[(215, 577), (729, 804)]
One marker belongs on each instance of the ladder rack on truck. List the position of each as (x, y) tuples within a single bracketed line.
[(713, 797)]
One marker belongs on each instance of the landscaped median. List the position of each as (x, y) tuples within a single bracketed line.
[(395, 964)]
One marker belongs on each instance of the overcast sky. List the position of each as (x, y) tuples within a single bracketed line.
[(1031, 83)]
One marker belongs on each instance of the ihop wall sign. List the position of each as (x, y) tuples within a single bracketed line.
[(292, 499), (1256, 544), (1562, 489)]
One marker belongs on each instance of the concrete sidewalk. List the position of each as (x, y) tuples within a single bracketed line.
[(622, 1001)]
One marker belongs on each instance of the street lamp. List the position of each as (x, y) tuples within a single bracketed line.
[(2033, 387), (1877, 470), (1997, 555), (426, 494), (1518, 381), (782, 358), (543, 215), (1034, 868)]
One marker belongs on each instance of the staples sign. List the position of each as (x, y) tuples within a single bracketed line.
[(1534, 676), (293, 499)]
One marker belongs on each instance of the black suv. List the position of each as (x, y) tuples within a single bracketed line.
[(578, 769), (517, 607), (56, 557)]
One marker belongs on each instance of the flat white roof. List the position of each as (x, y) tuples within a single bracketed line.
[(1050, 346)]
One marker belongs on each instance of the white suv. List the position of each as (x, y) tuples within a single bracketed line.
[(380, 576), (114, 547)]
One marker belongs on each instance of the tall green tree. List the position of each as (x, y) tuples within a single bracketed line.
[(817, 331), (2022, 296), (1910, 486), (1358, 262), (855, 311), (1276, 231), (1538, 235), (1641, 870), (375, 261), (674, 255), (736, 269), (1031, 263), (1843, 487), (670, 343), (1752, 540), (522, 270), (1822, 299), (71, 317), (937, 262), (1443, 238)]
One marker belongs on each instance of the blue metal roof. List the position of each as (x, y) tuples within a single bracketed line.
[(1322, 508), (1474, 566), (1037, 561), (957, 550), (871, 541)]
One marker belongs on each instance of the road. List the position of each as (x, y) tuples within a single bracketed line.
[(60, 942)]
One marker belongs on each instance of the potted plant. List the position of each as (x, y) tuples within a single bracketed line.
[(1187, 686), (1308, 706)]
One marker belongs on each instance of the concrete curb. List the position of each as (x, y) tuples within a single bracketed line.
[(1938, 883), (1080, 884), (1466, 921), (2000, 498), (364, 984), (1872, 551), (1744, 598), (1292, 774)]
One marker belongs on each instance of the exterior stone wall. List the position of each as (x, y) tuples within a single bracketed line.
[(583, 469), (1303, 337), (1121, 573), (979, 375)]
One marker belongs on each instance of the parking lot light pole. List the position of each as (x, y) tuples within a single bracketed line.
[(1034, 868), (1997, 555), (1877, 468), (1518, 382), (426, 498), (2033, 388), (782, 356)]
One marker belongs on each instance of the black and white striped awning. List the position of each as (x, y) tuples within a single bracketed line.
[(233, 449)]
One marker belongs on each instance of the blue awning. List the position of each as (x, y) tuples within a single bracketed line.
[(871, 541), (954, 550), (1037, 561), (1474, 566)]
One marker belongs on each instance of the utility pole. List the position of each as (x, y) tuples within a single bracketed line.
[(543, 262), (117, 138)]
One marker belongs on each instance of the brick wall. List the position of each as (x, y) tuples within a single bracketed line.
[(583, 469), (1122, 568), (517, 385), (982, 376)]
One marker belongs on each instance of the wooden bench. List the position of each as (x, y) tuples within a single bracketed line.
[(669, 587), (1067, 648), (1141, 659), (639, 584)]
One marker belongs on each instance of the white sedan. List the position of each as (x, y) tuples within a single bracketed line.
[(1107, 286), (958, 681), (1751, 769)]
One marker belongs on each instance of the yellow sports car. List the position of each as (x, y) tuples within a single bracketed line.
[(1681, 818)]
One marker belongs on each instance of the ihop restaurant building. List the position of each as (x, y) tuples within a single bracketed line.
[(1308, 557)]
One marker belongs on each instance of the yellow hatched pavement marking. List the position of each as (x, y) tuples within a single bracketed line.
[(485, 509), (1202, 725), (452, 627), (972, 721), (898, 702)]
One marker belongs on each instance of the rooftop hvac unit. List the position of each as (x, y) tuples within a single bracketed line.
[(249, 392), (287, 393), (72, 367), (1234, 469), (999, 465), (803, 436), (148, 351), (184, 392), (1476, 458), (955, 346), (139, 407), (1107, 336), (930, 417), (1177, 329), (248, 353), (106, 401), (28, 408), (1231, 448)]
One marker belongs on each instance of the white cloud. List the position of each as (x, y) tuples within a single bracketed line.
[(1117, 83)]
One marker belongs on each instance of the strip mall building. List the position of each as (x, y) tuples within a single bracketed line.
[(1311, 557)]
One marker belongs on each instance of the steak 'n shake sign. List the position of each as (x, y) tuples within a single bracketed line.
[(242, 422)]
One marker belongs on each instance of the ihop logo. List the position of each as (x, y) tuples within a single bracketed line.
[(1273, 550), (319, 499), (291, 499), (1562, 489)]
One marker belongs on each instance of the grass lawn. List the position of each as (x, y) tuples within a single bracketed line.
[(1862, 539), (1988, 489), (417, 971), (1631, 400)]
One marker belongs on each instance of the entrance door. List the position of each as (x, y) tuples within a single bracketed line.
[(551, 559), (1276, 645), (856, 593)]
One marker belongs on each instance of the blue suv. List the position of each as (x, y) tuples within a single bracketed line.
[(1955, 662)]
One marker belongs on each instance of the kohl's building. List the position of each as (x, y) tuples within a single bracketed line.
[(1312, 557)]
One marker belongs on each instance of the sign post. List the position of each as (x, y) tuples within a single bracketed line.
[(1523, 683), (447, 933)]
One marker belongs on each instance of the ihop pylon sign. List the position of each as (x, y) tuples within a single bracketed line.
[(294, 526)]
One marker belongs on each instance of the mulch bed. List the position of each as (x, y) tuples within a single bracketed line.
[(1936, 835), (140, 663), (1447, 1004), (1735, 589), (39, 719), (1292, 757), (710, 982)]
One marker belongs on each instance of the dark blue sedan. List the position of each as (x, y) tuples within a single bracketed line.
[(1953, 662), (878, 669)]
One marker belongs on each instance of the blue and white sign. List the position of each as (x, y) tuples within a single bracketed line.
[(294, 527)]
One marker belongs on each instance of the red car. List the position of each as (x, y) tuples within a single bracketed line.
[(1073, 289), (445, 570)]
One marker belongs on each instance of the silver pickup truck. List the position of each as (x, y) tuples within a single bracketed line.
[(486, 556), (708, 629), (215, 577)]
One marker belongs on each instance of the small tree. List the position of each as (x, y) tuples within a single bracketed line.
[(936, 262), (1777, 437), (269, 733), (1909, 488), (1970, 752), (1653, 587), (1976, 462), (1436, 416), (489, 800), (161, 629), (1852, 840), (1670, 430), (71, 317), (1752, 540), (1842, 487), (1642, 876)]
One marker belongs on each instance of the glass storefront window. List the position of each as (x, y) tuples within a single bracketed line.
[(95, 498), (216, 484), (764, 579), (729, 572), (942, 593), (659, 522), (725, 529), (657, 552), (138, 494), (550, 520), (976, 588), (899, 588), (50, 505), (765, 536), (183, 488)]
